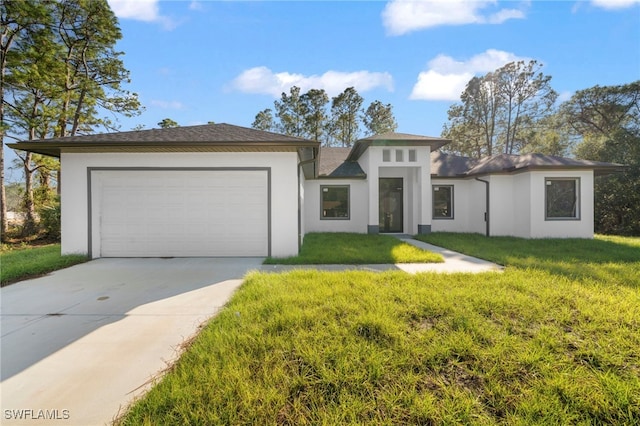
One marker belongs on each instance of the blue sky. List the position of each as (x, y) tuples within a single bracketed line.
[(224, 61)]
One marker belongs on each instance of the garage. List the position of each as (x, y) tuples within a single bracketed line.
[(174, 212)]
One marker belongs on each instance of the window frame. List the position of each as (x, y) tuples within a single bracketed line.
[(547, 184), (322, 209), (386, 155), (399, 155), (413, 156), (451, 216)]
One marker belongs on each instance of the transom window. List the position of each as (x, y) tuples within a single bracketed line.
[(334, 202), (443, 201), (562, 198)]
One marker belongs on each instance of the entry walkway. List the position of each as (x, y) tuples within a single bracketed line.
[(454, 262)]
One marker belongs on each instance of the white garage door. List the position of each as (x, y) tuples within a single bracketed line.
[(186, 213)]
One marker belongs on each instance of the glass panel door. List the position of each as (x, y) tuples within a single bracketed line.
[(390, 211)]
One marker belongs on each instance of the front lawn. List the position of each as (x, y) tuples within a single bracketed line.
[(28, 262), (534, 345), (354, 249)]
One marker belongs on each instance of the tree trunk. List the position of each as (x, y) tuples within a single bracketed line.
[(3, 197), (29, 227)]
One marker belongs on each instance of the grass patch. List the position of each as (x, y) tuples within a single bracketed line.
[(353, 249), (611, 259), (528, 346), (22, 263)]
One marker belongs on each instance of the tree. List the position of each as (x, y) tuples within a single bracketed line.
[(379, 118), (345, 117), (264, 121), (291, 112), (62, 72), (306, 115), (167, 123), (607, 122), (16, 17), (525, 96), (316, 118), (499, 111)]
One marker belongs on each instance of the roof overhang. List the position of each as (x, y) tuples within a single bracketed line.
[(362, 145), (55, 149)]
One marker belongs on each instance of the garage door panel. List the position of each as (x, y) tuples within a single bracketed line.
[(183, 213)]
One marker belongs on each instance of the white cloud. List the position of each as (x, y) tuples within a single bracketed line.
[(446, 78), (141, 10), (264, 81), (167, 104), (614, 4), (195, 5), (403, 16)]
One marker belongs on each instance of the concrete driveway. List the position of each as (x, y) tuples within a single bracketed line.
[(81, 343)]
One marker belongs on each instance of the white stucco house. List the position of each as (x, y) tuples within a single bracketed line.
[(224, 190)]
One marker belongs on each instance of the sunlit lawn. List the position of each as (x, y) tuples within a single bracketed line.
[(555, 339), (351, 249)]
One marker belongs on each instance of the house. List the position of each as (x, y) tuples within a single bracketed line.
[(224, 190)]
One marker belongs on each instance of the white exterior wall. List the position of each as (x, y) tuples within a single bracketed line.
[(469, 200), (358, 205), (502, 206), (284, 191), (417, 183), (522, 188), (541, 228)]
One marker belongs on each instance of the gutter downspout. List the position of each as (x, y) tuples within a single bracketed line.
[(300, 164), (486, 215)]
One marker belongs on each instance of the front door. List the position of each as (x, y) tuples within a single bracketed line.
[(390, 197)]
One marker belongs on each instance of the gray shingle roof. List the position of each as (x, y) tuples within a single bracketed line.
[(332, 163), (449, 165), (201, 135)]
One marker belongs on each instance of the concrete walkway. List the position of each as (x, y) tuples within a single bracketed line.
[(454, 262)]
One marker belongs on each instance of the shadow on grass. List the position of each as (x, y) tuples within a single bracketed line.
[(613, 260), (355, 249)]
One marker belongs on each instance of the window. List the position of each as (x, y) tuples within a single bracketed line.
[(561, 198), (334, 202), (399, 156), (412, 156), (443, 201), (386, 155)]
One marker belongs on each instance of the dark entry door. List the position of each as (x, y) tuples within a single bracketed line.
[(390, 197)]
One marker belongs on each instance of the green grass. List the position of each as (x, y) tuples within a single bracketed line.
[(353, 249), (533, 345), (615, 260), (29, 262)]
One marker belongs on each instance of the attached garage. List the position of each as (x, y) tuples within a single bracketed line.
[(176, 212), (195, 191)]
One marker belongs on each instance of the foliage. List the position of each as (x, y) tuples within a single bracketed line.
[(291, 111), (379, 119), (29, 262), (315, 115), (499, 111), (264, 121), (60, 71), (307, 115), (607, 122), (50, 218), (351, 249), (529, 346), (345, 110), (167, 123)]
